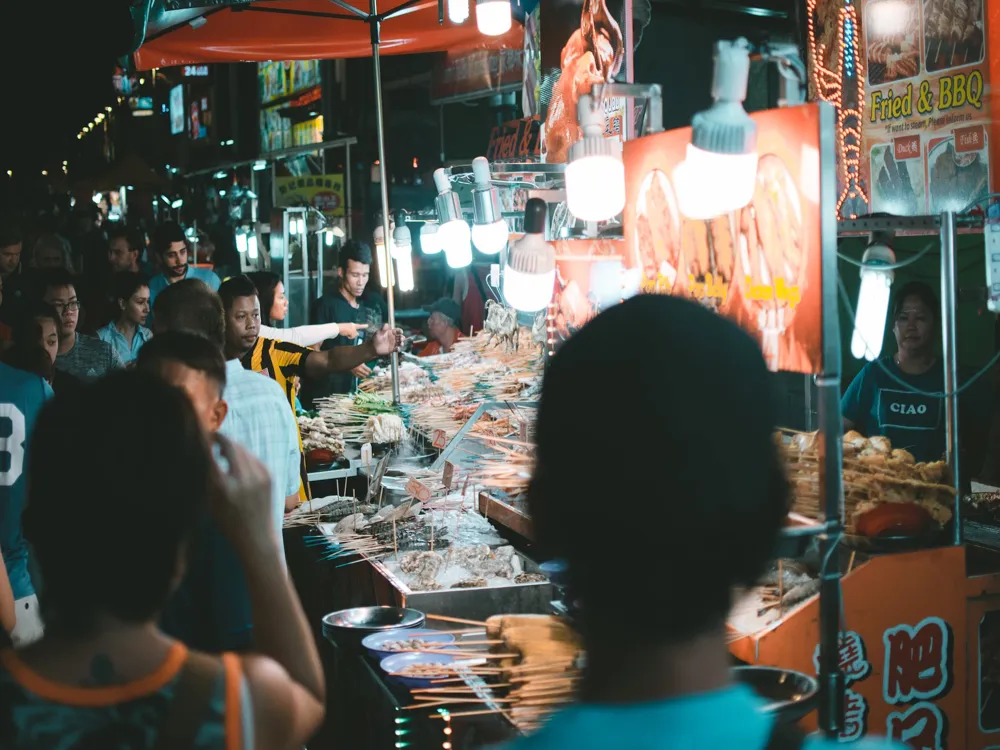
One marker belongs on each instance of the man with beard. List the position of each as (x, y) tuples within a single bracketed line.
[(283, 361), (84, 357), (171, 249)]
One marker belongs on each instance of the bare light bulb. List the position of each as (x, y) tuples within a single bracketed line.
[(489, 232), (595, 175), (430, 243), (530, 274), (458, 11), (873, 301), (493, 17), (381, 257)]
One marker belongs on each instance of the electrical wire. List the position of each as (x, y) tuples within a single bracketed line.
[(845, 299), (891, 266), (979, 201)]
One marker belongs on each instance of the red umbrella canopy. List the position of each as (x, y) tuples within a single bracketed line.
[(298, 30)]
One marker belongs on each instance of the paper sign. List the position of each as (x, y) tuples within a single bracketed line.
[(440, 440), (449, 474), (416, 488)]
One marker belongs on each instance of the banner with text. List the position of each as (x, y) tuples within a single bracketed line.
[(324, 192), (460, 75), (926, 134)]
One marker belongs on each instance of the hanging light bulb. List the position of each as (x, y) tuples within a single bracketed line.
[(430, 243), (381, 257), (454, 233), (241, 241), (328, 238), (873, 301), (595, 175), (530, 275), (489, 233), (720, 166), (493, 17), (251, 245), (458, 11), (402, 253)]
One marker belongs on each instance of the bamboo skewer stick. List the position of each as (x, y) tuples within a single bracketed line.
[(460, 621)]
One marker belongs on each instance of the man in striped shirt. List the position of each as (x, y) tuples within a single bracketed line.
[(283, 361)]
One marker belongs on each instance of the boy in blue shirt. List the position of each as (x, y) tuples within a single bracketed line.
[(699, 425), (22, 395)]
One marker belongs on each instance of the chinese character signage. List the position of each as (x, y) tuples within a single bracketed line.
[(926, 123), (324, 192), (760, 265)]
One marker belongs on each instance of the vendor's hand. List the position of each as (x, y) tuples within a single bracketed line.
[(361, 371), (350, 330), (243, 506), (388, 340)]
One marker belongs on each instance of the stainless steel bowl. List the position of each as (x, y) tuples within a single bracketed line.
[(790, 694), (351, 625)]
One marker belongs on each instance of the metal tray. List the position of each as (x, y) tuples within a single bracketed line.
[(469, 604)]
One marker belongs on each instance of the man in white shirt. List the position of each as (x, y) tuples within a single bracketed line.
[(259, 419)]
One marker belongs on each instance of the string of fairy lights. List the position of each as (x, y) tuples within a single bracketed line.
[(844, 88)]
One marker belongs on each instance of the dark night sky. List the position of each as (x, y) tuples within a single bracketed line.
[(58, 57)]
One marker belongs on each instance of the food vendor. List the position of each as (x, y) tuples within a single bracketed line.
[(442, 326), (898, 395)]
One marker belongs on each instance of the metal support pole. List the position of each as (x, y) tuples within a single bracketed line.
[(374, 24), (347, 191), (949, 346), (831, 477), (629, 130)]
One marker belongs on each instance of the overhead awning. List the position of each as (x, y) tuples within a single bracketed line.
[(297, 30)]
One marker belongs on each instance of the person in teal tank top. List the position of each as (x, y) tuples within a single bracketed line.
[(702, 503)]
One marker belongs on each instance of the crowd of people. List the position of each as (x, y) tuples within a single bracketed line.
[(146, 472)]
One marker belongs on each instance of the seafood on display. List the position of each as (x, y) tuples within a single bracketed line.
[(412, 644), (423, 568), (317, 434), (501, 324), (385, 428)]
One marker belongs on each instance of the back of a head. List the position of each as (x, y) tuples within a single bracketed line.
[(107, 534), (189, 349), (165, 235), (29, 357), (235, 287), (704, 495), (26, 329), (190, 305), (359, 252)]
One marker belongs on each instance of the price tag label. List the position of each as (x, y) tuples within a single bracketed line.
[(416, 488), (449, 474), (440, 440)]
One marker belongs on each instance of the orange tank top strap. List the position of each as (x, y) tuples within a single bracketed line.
[(95, 697)]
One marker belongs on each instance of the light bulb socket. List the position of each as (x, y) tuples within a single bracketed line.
[(486, 205), (448, 207), (724, 128), (593, 142)]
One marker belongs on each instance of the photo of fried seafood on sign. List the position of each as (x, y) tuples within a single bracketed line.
[(958, 174), (953, 33), (892, 40), (897, 183), (658, 231)]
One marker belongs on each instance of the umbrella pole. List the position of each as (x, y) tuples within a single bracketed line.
[(376, 23)]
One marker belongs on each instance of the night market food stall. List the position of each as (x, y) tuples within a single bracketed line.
[(431, 521)]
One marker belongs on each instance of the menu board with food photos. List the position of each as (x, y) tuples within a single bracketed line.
[(760, 265), (926, 134)]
